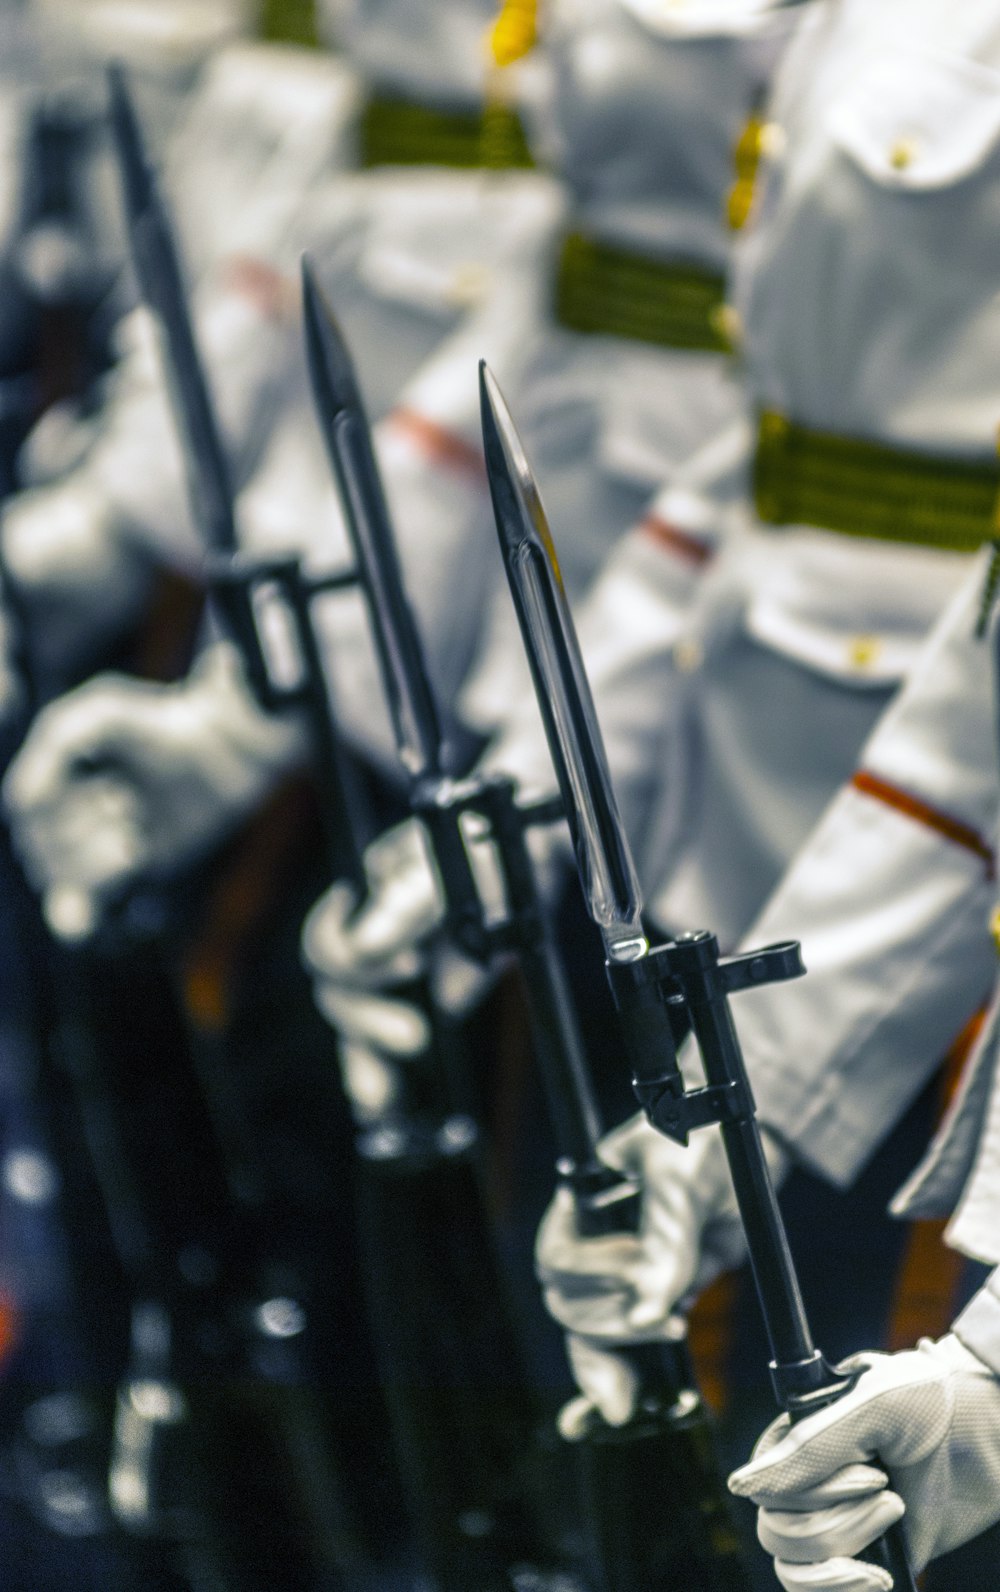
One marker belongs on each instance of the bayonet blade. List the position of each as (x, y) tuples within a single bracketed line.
[(161, 282), (603, 856), (346, 432)]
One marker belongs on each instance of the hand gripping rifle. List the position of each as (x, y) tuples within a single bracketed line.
[(663, 1550), (430, 1272), (664, 992)]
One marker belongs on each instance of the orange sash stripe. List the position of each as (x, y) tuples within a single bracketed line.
[(922, 812), (676, 541), (443, 447), (711, 1327), (9, 1328), (929, 1276), (241, 901), (273, 294)]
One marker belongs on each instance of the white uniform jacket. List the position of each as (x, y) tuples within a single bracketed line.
[(738, 665), (891, 898), (260, 171), (640, 110)]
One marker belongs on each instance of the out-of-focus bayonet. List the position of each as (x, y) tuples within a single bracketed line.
[(440, 800), (414, 712), (652, 986), (161, 283), (237, 583)]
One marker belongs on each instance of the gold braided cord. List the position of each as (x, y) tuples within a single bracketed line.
[(514, 34), (867, 489), (746, 158), (289, 22), (502, 144), (603, 289), (396, 132)]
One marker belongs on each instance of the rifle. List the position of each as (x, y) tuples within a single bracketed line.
[(432, 1279), (662, 993), (308, 1508), (642, 1536)]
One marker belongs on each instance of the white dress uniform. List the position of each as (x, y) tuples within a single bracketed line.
[(891, 898), (614, 363), (646, 147), (403, 250), (745, 638)]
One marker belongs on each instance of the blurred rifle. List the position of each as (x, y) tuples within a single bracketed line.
[(434, 1286)]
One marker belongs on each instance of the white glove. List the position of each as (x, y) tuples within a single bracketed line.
[(77, 580), (121, 781), (353, 954), (628, 1288), (931, 1416), (372, 1083)]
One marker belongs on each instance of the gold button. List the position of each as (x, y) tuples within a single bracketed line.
[(772, 140), (864, 651), (689, 655), (469, 283), (773, 427), (727, 326), (903, 153)]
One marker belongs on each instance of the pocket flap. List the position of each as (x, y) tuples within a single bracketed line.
[(917, 122)]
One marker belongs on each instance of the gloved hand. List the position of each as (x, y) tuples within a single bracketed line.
[(76, 579), (122, 781), (371, 1082), (931, 1416), (629, 1287), (354, 953)]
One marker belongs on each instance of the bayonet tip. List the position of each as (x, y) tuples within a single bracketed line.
[(518, 509), (329, 360)]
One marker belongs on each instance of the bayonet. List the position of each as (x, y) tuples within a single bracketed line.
[(651, 986), (441, 801), (346, 432), (161, 282), (237, 584), (604, 861)]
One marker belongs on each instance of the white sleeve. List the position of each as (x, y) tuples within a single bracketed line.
[(891, 899), (978, 1326), (248, 332)]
